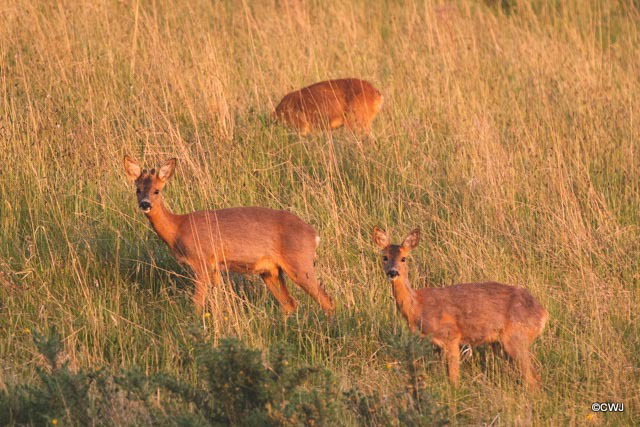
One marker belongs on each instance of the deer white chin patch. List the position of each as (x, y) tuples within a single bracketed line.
[(145, 210), (317, 241)]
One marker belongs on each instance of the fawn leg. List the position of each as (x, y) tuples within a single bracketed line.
[(356, 125), (202, 286), (519, 351), (276, 284), (452, 353), (216, 277), (336, 122), (306, 279)]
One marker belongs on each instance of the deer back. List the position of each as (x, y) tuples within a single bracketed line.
[(329, 101), (241, 237), (479, 311)]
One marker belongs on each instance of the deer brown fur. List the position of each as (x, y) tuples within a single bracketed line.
[(254, 240), (331, 104), (466, 313)]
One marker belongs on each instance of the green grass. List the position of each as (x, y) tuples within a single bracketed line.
[(509, 134)]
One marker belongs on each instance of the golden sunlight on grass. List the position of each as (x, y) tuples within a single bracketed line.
[(509, 133)]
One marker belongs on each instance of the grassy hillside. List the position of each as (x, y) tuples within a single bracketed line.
[(509, 134)]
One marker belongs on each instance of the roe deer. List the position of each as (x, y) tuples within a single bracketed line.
[(331, 104), (466, 313), (256, 240)]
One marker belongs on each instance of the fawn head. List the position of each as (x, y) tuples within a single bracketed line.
[(394, 257), (148, 183)]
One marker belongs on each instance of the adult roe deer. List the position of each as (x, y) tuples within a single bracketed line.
[(331, 104), (466, 313), (256, 240)]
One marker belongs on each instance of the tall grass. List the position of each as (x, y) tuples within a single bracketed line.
[(509, 134)]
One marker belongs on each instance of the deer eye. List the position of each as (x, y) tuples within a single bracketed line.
[(403, 259), (385, 258), (156, 192)]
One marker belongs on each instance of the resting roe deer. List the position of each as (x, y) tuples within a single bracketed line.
[(255, 240), (331, 104), (467, 313)]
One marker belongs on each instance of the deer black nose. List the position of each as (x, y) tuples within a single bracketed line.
[(145, 206), (392, 273)]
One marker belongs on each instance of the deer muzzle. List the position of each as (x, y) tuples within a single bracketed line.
[(145, 205)]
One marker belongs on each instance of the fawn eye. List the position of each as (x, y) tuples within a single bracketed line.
[(403, 259), (385, 258), (156, 192)]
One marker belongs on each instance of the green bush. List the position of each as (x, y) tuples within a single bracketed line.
[(236, 388), (414, 404), (59, 393), (240, 389)]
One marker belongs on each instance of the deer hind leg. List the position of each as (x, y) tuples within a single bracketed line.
[(360, 116), (304, 276), (518, 349), (304, 129), (336, 121), (355, 123), (275, 283), (300, 120)]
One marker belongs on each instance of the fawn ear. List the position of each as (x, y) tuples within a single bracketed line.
[(412, 240), (166, 170), (380, 237), (131, 168)]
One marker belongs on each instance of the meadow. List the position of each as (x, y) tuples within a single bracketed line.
[(509, 134)]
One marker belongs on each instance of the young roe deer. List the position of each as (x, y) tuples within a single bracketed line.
[(331, 104), (466, 313), (256, 240)]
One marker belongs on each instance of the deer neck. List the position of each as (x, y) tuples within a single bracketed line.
[(405, 298), (164, 222)]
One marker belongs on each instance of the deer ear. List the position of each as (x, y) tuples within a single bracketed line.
[(131, 168), (412, 240), (166, 171), (380, 237)]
